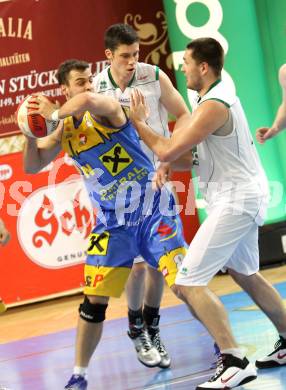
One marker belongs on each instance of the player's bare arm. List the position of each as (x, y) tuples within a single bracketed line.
[(38, 153), (265, 133), (210, 116), (183, 163), (173, 101), (171, 98), (96, 104), (175, 105)]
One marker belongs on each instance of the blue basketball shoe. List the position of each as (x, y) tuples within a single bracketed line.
[(77, 382)]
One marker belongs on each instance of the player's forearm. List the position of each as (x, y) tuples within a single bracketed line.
[(280, 120), (75, 106), (31, 156), (183, 163), (157, 143), (88, 101), (183, 121), (35, 158)]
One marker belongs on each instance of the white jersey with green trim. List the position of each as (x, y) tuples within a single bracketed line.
[(146, 79), (229, 165)]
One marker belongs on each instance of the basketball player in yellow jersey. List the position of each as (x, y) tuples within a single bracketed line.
[(106, 148)]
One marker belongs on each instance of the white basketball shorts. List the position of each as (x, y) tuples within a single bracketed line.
[(228, 238)]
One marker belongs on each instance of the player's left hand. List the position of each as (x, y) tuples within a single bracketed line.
[(139, 109), (161, 176), (40, 104), (265, 133)]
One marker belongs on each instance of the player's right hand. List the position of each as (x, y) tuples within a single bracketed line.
[(139, 109), (161, 176), (40, 104)]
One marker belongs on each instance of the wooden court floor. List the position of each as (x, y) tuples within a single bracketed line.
[(61, 314), (37, 344)]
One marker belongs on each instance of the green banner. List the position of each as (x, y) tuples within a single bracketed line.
[(242, 27), (271, 15)]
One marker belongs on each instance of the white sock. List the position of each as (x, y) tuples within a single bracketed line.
[(234, 351), (80, 371)]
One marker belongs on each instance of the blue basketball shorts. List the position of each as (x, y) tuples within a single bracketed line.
[(157, 237)]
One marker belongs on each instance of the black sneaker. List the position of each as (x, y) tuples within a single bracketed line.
[(231, 372), (277, 358)]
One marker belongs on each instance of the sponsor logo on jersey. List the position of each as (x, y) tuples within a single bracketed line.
[(124, 100), (167, 228), (143, 77), (184, 271), (164, 229), (116, 159), (102, 85), (82, 139)]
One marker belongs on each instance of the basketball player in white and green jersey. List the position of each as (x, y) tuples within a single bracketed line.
[(144, 292)]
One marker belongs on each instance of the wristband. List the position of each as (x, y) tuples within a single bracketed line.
[(55, 115)]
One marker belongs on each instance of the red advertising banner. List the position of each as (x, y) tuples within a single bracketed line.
[(37, 35), (49, 217)]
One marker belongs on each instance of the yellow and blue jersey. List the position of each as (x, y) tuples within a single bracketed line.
[(110, 158)]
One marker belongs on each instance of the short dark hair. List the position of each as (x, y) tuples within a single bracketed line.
[(119, 34), (208, 50), (66, 67)]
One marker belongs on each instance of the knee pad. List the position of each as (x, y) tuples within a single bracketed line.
[(92, 312)]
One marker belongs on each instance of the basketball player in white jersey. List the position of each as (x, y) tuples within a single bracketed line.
[(265, 133), (234, 185), (144, 292)]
